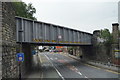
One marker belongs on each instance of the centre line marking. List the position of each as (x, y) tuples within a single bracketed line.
[(76, 68), (56, 58), (51, 58), (86, 77), (79, 73)]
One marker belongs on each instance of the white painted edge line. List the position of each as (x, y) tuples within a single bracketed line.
[(79, 73), (41, 63), (55, 68), (40, 58)]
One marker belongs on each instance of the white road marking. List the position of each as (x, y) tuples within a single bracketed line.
[(51, 58), (40, 59), (56, 58), (55, 68), (74, 66), (86, 77), (41, 63), (76, 69), (79, 73), (42, 76)]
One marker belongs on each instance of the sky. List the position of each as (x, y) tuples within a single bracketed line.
[(83, 15)]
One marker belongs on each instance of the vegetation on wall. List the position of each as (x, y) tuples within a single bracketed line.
[(24, 10), (108, 39), (107, 36)]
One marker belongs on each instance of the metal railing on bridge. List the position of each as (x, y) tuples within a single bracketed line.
[(30, 31)]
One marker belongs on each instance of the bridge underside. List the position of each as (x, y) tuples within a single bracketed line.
[(54, 44)]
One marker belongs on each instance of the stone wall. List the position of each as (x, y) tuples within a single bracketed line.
[(9, 46), (87, 52), (101, 52), (0, 40)]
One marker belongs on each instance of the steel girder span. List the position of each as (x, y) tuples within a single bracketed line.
[(37, 32)]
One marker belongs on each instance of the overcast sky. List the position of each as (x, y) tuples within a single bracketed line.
[(78, 14)]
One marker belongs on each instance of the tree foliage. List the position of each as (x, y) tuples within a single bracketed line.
[(24, 10), (107, 36)]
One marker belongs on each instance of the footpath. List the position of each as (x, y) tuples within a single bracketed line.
[(107, 66)]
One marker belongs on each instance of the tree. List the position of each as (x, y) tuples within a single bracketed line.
[(24, 10), (107, 36)]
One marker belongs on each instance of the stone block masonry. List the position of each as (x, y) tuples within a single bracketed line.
[(9, 46), (0, 40)]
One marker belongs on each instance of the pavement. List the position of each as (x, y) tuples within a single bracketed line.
[(58, 66)]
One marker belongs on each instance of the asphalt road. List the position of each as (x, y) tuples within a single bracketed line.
[(61, 67)]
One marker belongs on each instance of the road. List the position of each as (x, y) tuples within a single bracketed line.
[(58, 66)]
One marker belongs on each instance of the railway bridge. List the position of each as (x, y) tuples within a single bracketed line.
[(37, 32)]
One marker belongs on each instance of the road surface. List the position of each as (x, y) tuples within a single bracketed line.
[(60, 67)]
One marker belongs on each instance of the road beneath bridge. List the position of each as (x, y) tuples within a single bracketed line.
[(56, 66)]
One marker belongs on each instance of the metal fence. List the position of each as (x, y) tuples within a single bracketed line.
[(30, 31)]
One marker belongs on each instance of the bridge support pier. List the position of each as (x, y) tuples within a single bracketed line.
[(83, 52), (87, 52), (26, 48)]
